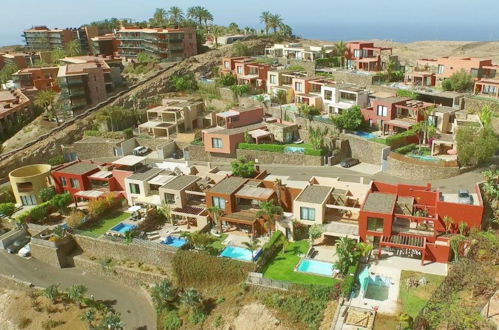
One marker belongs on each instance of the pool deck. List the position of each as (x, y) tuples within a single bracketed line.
[(237, 240)]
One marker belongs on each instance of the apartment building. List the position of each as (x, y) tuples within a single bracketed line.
[(298, 51), (106, 45), (231, 127), (164, 43), (14, 105), (365, 56), (247, 71), (308, 90), (282, 80), (445, 67), (395, 114), (23, 60), (410, 218), (87, 80), (42, 78), (175, 115), (487, 87), (43, 38), (339, 97)]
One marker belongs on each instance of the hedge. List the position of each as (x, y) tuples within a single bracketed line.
[(278, 148), (40, 211), (394, 139), (270, 250), (406, 149), (349, 280)]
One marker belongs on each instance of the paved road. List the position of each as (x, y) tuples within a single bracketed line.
[(136, 311), (466, 180)]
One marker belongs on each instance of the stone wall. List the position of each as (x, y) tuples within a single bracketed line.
[(365, 80), (142, 251), (125, 275), (51, 254), (474, 105), (197, 153), (401, 166), (364, 150)]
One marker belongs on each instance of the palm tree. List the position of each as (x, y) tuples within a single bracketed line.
[(77, 293), (206, 16), (73, 48), (269, 211), (448, 221), (216, 31), (260, 98), (275, 21), (52, 292), (46, 99), (216, 213), (163, 294), (340, 49), (280, 98), (252, 245), (159, 17), (347, 254), (277, 188), (176, 15), (314, 232), (89, 317), (233, 28), (308, 111), (265, 18), (166, 211), (196, 13)]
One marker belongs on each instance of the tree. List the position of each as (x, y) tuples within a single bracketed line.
[(308, 111), (159, 18), (73, 48), (486, 115), (239, 90), (243, 167), (280, 98), (52, 292), (196, 13), (216, 31), (61, 202), (424, 130), (269, 211), (176, 15), (448, 221), (7, 71), (241, 49), (274, 22), (315, 232), (341, 49), (184, 83), (475, 146), (163, 295), (46, 99), (263, 101), (316, 136), (233, 28), (227, 80), (460, 81), (112, 320), (364, 248), (77, 293), (7, 209), (166, 211), (200, 241), (350, 119), (252, 245), (206, 16), (277, 188), (265, 19), (216, 213), (47, 193), (347, 254)]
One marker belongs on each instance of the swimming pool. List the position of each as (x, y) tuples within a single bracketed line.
[(239, 253), (174, 241), (365, 135), (296, 150), (315, 267), (374, 287), (123, 227), (425, 158)]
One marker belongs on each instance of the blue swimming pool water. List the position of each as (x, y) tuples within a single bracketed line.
[(426, 158), (374, 287), (123, 227), (316, 267), (174, 241), (292, 149), (365, 135), (238, 253)]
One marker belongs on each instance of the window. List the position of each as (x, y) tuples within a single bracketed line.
[(134, 188), (374, 224), (226, 65), (219, 202), (169, 198), (75, 183), (382, 110), (24, 187), (357, 53), (440, 69), (28, 200), (299, 86), (328, 95), (307, 213), (239, 70), (273, 79), (216, 143), (488, 89), (433, 120)]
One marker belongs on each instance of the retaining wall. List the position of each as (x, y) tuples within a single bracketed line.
[(475, 105), (364, 150), (399, 165)]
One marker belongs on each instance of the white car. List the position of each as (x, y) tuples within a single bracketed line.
[(140, 151), (25, 251)]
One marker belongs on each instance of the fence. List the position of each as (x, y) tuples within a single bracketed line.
[(257, 279), (81, 115)]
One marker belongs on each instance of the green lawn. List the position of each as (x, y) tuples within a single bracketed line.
[(283, 265), (107, 222), (413, 300)]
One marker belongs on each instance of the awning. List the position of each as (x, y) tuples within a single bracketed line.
[(227, 114), (129, 160), (151, 124), (148, 200), (101, 175), (399, 123), (257, 133)]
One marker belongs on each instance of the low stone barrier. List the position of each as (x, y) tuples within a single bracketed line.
[(402, 166)]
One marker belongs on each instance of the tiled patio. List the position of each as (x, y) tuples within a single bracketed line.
[(237, 239)]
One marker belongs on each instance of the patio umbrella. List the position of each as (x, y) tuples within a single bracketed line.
[(134, 208)]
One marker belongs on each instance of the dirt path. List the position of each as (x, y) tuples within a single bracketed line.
[(255, 317)]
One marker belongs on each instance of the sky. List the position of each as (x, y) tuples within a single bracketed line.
[(399, 20)]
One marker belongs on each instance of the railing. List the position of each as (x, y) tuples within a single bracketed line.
[(81, 116), (257, 279)]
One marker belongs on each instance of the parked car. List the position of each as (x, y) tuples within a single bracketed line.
[(25, 251), (17, 245), (464, 197), (140, 151), (349, 162)]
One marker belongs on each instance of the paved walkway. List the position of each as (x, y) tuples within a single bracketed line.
[(136, 311)]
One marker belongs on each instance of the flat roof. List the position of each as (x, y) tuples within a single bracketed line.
[(78, 168), (180, 182), (145, 173), (254, 192), (129, 160), (101, 174), (228, 185), (161, 179), (314, 194), (379, 203)]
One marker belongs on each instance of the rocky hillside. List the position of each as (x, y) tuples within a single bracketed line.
[(50, 147)]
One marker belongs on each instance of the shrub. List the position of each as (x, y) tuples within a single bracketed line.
[(227, 80), (97, 207), (61, 202), (295, 68), (190, 269), (406, 149), (128, 133), (7, 209), (271, 249), (408, 93), (36, 214), (474, 146), (183, 83), (241, 49), (6, 195), (197, 317), (460, 81), (57, 160), (262, 147), (75, 219), (171, 321), (47, 193), (349, 280), (243, 168), (350, 119), (24, 322)]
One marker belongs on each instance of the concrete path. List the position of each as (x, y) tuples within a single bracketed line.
[(136, 311)]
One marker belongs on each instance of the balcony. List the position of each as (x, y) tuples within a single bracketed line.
[(64, 83)]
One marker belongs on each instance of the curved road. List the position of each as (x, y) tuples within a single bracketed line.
[(136, 311)]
